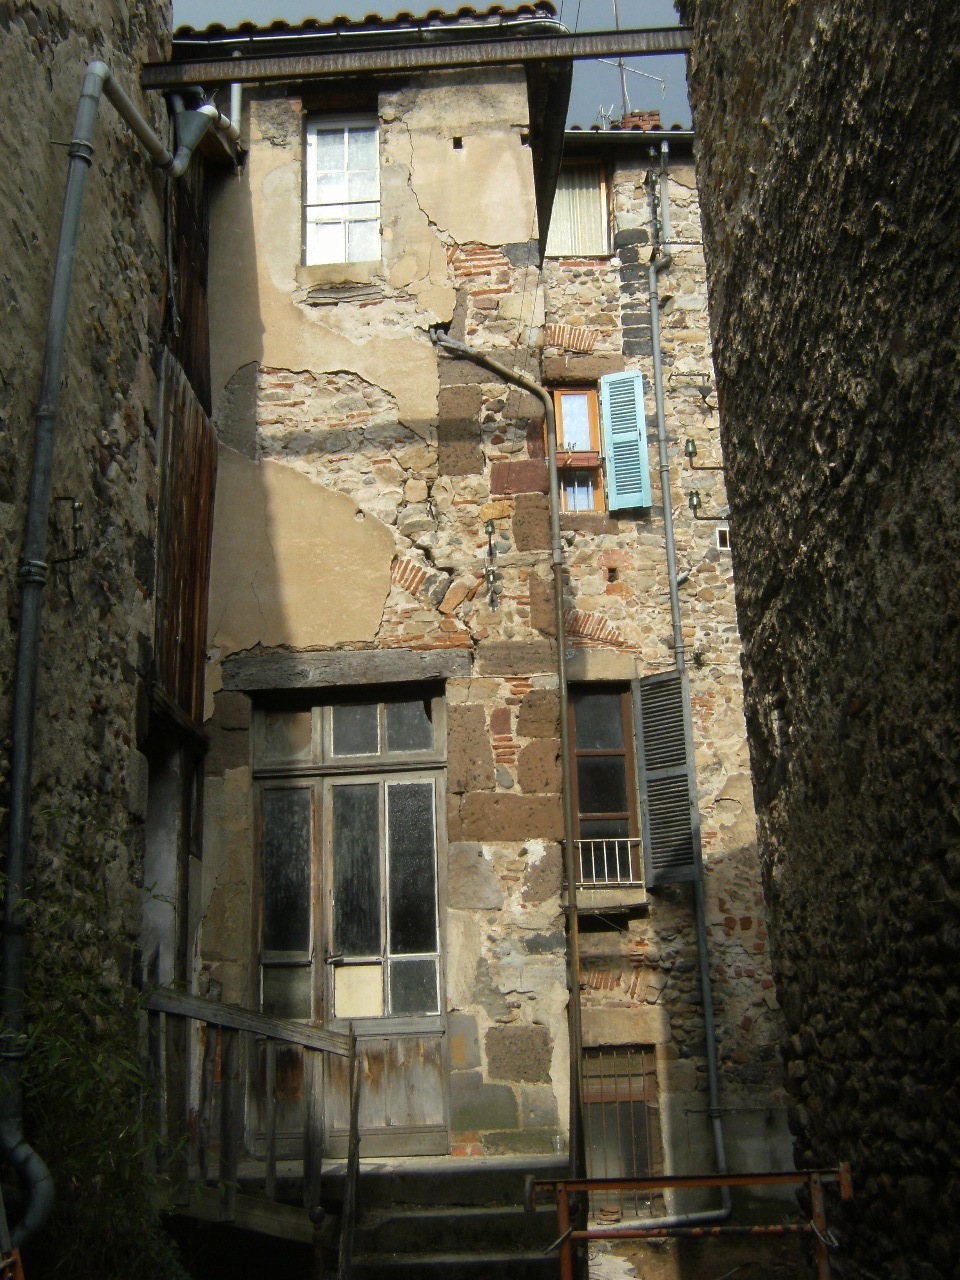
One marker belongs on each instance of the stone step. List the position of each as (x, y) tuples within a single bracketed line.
[(456, 1266), (457, 1228), (432, 1182)]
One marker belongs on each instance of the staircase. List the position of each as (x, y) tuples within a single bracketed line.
[(462, 1221)]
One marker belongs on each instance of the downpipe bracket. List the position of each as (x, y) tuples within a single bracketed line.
[(33, 571)]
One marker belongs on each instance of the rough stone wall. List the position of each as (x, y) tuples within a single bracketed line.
[(828, 171), (89, 779)]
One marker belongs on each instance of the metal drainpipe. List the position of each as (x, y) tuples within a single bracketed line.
[(32, 575), (661, 259), (569, 837)]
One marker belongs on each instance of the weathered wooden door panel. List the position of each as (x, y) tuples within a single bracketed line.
[(277, 1099), (402, 1097)]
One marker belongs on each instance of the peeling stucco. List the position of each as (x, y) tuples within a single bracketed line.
[(275, 532)]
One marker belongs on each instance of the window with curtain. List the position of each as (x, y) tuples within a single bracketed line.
[(580, 224)]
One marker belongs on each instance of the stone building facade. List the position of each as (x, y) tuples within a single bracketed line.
[(827, 168), (382, 543)]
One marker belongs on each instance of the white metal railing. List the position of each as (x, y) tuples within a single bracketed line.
[(611, 861)]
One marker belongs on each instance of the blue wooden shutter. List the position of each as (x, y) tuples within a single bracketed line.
[(669, 817), (624, 441)]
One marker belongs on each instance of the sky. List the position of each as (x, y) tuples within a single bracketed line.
[(596, 86)]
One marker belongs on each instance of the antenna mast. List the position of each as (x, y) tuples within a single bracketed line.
[(623, 70)]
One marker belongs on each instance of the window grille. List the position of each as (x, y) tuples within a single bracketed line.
[(621, 1126)]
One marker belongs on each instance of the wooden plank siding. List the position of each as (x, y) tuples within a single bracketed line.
[(186, 320), (184, 540)]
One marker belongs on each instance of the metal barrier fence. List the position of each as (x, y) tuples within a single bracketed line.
[(568, 1191)]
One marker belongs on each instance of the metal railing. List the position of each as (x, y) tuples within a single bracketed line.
[(569, 1191), (610, 862)]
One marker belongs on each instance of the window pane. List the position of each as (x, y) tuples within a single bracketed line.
[(331, 188), (286, 991), (287, 736), (412, 863), (363, 241), (599, 721), (363, 185), (575, 422), (355, 730), (286, 869), (413, 986), (356, 869), (358, 991), (602, 784), (362, 147), (330, 150), (409, 727), (325, 240), (579, 491), (604, 828)]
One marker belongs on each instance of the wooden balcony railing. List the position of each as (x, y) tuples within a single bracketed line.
[(205, 1149)]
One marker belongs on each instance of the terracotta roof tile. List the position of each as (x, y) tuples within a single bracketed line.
[(377, 21)]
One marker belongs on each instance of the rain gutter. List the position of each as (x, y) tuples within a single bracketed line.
[(461, 350), (203, 63), (190, 126)]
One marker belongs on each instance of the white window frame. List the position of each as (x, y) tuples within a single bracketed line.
[(331, 227), (580, 220)]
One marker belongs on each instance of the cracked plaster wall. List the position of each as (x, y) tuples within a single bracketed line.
[(427, 455), (350, 508)]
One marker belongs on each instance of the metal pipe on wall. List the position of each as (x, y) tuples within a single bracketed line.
[(661, 259), (97, 81), (526, 383)]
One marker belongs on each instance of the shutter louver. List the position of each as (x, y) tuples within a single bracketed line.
[(625, 441), (668, 792)]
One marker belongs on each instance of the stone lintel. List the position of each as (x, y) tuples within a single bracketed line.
[(308, 670), (580, 368), (648, 1024), (516, 657)]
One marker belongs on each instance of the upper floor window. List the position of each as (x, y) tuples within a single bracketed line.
[(599, 436), (342, 191), (580, 223), (635, 745), (578, 449), (605, 787)]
